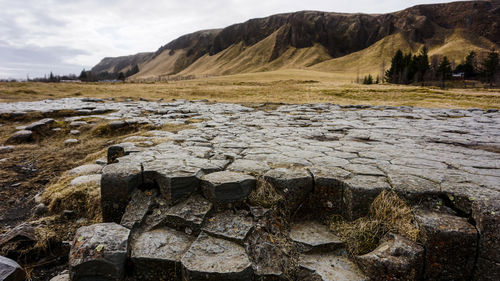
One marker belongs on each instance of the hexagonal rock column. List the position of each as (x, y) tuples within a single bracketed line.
[(328, 267), (230, 225), (156, 254), (227, 187), (311, 236), (359, 193), (216, 259), (294, 184), (10, 270), (328, 189), (188, 215), (486, 213), (451, 245), (117, 183), (397, 258), (99, 251)]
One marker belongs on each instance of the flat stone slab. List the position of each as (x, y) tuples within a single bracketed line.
[(20, 137), (212, 258), (99, 251), (156, 254), (230, 225), (313, 236), (189, 214), (227, 187), (11, 270), (329, 267)]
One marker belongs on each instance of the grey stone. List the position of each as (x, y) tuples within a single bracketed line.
[(115, 125), (6, 149), (229, 225), (451, 244), (70, 142), (93, 179), (249, 166), (20, 137), (140, 203), (396, 258), (314, 237), (190, 214), (227, 187), (359, 193), (211, 258), (76, 124), (86, 169), (74, 132), (328, 267), (326, 198), (156, 254), (11, 270), (294, 184), (99, 252)]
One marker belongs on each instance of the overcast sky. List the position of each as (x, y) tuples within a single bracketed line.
[(39, 36)]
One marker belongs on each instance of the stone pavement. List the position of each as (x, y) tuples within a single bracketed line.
[(446, 162)]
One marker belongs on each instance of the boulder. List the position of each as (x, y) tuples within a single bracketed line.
[(87, 179), (312, 236), (396, 258), (156, 254), (41, 126), (11, 270), (70, 142), (86, 169), (211, 258), (6, 148), (99, 252), (22, 136), (230, 225), (227, 187), (450, 245)]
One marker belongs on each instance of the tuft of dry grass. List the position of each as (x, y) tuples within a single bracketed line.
[(388, 213), (264, 194)]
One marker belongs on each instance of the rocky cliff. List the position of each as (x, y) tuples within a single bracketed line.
[(307, 38)]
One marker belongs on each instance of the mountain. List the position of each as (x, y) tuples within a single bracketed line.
[(322, 41)]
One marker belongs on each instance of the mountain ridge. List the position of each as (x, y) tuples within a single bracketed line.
[(284, 39)]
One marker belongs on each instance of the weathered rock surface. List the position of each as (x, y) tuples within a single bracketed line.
[(139, 205), (227, 187), (61, 277), (451, 245), (20, 137), (11, 270), (230, 225), (216, 259), (188, 215), (396, 258), (328, 267), (314, 237), (86, 169), (156, 254), (99, 252), (86, 179)]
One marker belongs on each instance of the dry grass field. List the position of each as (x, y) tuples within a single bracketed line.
[(283, 86)]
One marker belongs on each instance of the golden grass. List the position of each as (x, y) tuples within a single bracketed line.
[(264, 194), (289, 86), (388, 213)]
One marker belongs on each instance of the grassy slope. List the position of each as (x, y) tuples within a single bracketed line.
[(288, 86)]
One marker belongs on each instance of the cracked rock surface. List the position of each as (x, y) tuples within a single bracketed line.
[(329, 158)]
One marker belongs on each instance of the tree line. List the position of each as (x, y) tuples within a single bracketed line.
[(417, 68), (87, 76)]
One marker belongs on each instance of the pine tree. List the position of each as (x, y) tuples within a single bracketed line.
[(444, 70), (490, 66)]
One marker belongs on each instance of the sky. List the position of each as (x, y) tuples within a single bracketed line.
[(42, 36)]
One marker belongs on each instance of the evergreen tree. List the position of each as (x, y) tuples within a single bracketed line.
[(468, 68), (444, 70), (422, 63), (395, 72), (121, 76), (83, 75), (490, 66)]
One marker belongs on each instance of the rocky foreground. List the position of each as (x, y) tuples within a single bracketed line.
[(197, 204)]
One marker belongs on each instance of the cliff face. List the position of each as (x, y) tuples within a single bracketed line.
[(336, 34)]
